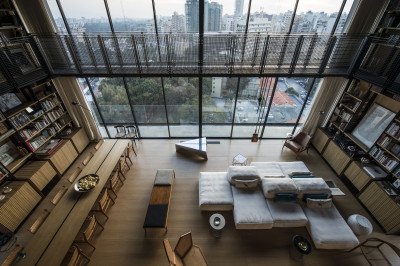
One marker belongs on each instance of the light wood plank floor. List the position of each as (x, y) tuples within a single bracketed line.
[(123, 241)]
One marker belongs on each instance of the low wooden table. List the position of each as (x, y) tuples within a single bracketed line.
[(157, 211)]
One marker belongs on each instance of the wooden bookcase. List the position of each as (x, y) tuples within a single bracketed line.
[(32, 124)]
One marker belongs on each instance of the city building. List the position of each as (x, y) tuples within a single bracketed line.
[(239, 8), (92, 116)]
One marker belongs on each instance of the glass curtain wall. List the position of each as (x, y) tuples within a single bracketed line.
[(218, 104), (147, 100), (182, 101)]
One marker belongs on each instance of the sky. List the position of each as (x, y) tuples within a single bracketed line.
[(142, 9)]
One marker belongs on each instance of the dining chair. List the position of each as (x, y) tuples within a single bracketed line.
[(88, 231), (114, 182), (132, 133), (77, 257), (379, 252), (185, 253), (123, 163), (130, 152), (298, 144), (120, 131), (104, 203)]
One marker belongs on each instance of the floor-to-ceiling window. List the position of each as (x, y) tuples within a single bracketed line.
[(213, 106)]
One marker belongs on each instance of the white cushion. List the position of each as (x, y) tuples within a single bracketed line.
[(242, 173), (319, 203), (268, 169), (315, 185), (271, 186), (251, 210), (360, 225), (287, 214), (215, 192), (289, 167), (328, 229)]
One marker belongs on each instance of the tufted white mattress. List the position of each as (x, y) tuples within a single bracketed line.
[(251, 210), (328, 229), (279, 169), (215, 192), (287, 214)]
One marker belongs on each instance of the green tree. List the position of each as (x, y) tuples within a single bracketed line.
[(291, 90)]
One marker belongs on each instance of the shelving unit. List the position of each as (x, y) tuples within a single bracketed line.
[(36, 121), (390, 22)]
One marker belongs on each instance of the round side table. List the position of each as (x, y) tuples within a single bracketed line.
[(217, 223), (300, 246), (360, 225)]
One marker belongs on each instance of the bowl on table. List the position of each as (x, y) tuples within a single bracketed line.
[(86, 183)]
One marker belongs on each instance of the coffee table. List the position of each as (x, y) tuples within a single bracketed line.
[(217, 223)]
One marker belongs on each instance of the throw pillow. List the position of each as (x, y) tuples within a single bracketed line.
[(299, 173), (315, 196), (302, 176), (315, 185), (250, 183), (285, 197), (272, 186), (242, 173), (319, 203)]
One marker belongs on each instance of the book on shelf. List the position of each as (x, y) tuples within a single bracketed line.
[(50, 147), (19, 120)]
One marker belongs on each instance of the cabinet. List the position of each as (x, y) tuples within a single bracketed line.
[(37, 173), (382, 206), (78, 137), (320, 140), (336, 157), (357, 176), (62, 158), (17, 204)]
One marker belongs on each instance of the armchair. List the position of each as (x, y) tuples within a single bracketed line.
[(298, 144), (185, 252), (375, 255)]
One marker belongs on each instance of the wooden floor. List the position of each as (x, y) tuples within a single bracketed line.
[(123, 242)]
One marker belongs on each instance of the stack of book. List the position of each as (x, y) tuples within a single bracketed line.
[(19, 120), (394, 130), (56, 113), (50, 147), (384, 158), (50, 103)]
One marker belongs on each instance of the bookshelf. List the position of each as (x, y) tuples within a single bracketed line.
[(32, 124)]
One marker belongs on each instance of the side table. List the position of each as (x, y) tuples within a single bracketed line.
[(217, 223), (239, 160), (300, 246)]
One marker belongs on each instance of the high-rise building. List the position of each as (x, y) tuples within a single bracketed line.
[(192, 15), (214, 18), (239, 7), (178, 23)]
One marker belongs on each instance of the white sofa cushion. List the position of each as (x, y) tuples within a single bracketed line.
[(251, 210), (268, 169), (297, 166), (328, 229), (272, 186), (287, 214), (243, 173), (215, 192), (315, 185)]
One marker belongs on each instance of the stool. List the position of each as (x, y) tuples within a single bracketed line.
[(360, 225), (239, 160), (300, 246)]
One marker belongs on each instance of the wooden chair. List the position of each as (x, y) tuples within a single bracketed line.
[(130, 152), (114, 182), (74, 175), (104, 203), (77, 257), (120, 131), (298, 144), (87, 159), (89, 231), (185, 253), (131, 133), (123, 163), (371, 249)]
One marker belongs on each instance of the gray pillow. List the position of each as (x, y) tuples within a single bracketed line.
[(319, 203), (246, 183), (242, 173), (273, 186)]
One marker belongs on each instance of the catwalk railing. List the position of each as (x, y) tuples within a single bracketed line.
[(236, 54), (178, 54)]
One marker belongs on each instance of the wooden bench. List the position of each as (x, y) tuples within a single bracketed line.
[(157, 211)]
